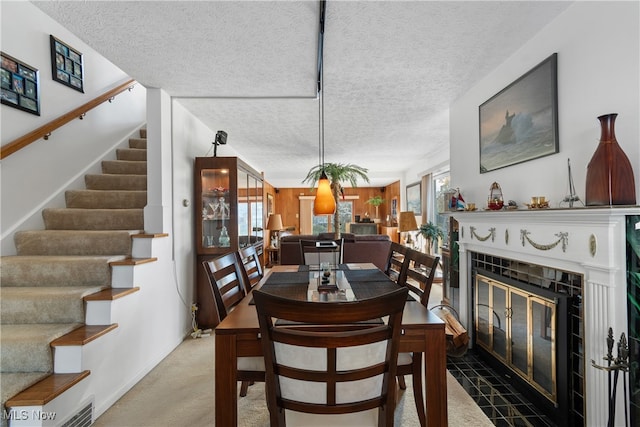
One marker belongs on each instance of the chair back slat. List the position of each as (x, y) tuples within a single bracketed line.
[(311, 365), (227, 283), (420, 272), (397, 263), (251, 267)]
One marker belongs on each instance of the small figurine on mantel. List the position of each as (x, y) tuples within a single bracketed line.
[(457, 201)]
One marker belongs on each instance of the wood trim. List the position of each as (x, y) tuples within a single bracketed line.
[(111, 294), (83, 335), (133, 261), (46, 390), (47, 129)]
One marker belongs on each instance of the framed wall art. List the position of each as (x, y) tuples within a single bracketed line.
[(20, 88), (414, 200), (269, 204), (66, 65), (520, 123)]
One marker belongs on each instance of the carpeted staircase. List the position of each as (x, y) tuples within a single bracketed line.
[(44, 288)]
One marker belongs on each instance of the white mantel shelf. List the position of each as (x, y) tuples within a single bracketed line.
[(585, 240)]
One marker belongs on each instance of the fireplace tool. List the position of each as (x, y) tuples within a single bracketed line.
[(613, 368)]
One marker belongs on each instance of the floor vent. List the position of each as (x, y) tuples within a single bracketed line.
[(82, 418)]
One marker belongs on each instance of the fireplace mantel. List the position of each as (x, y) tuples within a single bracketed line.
[(588, 241)]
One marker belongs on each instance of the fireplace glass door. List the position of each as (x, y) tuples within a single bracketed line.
[(519, 329)]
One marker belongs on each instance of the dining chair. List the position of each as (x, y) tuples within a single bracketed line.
[(397, 263), (419, 272), (330, 363), (252, 271), (228, 288), (313, 253)]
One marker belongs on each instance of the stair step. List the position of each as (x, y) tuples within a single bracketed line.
[(83, 335), (127, 167), (73, 242), (139, 142), (46, 390), (132, 261), (143, 133), (14, 382), (111, 294), (53, 304), (131, 154), (56, 270), (116, 182), (106, 199), (27, 348), (93, 219)]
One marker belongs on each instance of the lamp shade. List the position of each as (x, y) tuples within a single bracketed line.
[(275, 222), (407, 221), (324, 204)]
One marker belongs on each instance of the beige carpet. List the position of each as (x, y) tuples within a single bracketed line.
[(179, 392)]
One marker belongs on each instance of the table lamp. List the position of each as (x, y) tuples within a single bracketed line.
[(406, 223), (274, 224)]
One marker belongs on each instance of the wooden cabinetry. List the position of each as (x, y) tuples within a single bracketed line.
[(228, 216), (392, 232)]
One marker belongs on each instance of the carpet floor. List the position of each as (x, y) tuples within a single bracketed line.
[(180, 392)]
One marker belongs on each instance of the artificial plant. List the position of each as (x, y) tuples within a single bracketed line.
[(337, 174)]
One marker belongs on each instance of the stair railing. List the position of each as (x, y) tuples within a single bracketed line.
[(78, 113)]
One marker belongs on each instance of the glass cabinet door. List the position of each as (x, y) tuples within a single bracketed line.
[(214, 202), (244, 214)]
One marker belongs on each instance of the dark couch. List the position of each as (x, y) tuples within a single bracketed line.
[(372, 248)]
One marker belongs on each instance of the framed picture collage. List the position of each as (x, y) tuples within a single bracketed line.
[(21, 82), (20, 88)]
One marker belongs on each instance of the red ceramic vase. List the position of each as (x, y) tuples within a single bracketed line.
[(610, 178)]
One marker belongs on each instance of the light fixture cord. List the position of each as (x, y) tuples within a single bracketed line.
[(321, 84)]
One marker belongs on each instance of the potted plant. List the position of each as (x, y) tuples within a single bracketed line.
[(376, 201), (337, 173), (431, 232)]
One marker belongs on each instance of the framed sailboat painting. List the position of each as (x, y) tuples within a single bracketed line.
[(520, 123)]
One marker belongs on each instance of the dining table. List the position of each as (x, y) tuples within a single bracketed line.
[(238, 335)]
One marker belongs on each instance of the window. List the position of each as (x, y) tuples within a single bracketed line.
[(441, 184), (324, 223)]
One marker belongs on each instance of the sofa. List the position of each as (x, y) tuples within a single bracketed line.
[(372, 248)]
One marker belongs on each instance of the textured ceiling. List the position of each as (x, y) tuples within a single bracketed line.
[(391, 70)]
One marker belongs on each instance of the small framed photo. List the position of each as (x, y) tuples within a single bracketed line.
[(66, 65), (9, 97), (20, 87), (6, 78)]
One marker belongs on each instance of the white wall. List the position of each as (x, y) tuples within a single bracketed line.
[(76, 148), (191, 139), (598, 73)]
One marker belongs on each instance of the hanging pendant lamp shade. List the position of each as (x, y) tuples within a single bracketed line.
[(324, 204)]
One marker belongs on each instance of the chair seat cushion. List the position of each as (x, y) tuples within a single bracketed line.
[(405, 359), (251, 364), (359, 419)]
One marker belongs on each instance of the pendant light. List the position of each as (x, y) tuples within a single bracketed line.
[(324, 203)]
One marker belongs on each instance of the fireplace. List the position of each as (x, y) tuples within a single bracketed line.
[(527, 323), (575, 257)]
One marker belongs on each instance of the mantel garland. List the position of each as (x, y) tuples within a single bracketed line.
[(492, 233), (562, 237)]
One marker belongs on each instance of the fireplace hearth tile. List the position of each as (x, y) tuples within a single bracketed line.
[(494, 395)]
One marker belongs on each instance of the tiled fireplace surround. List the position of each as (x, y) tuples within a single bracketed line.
[(587, 241)]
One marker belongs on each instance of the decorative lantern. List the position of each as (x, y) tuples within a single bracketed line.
[(495, 202)]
